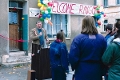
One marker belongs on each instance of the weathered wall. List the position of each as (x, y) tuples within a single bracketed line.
[(76, 23), (4, 29), (112, 11), (90, 2), (32, 20)]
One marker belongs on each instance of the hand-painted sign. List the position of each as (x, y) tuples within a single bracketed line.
[(34, 12), (72, 8), (66, 8)]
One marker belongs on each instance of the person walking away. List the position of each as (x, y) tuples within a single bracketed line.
[(86, 51), (59, 58)]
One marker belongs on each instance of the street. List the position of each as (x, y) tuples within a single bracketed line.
[(19, 73), (16, 73)]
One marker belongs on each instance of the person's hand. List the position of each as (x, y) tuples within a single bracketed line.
[(47, 41), (40, 34), (32, 54)]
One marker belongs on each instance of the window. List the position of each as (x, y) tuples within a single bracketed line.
[(13, 17), (60, 22), (95, 2), (105, 3), (118, 1), (117, 20), (105, 23), (15, 4)]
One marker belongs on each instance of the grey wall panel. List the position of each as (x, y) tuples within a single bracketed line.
[(90, 2), (76, 25), (4, 27)]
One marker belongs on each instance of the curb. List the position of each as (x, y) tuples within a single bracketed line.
[(15, 64)]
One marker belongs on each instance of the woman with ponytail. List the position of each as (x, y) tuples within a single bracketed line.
[(111, 56), (59, 58)]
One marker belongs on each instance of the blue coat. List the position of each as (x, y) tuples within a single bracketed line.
[(85, 56), (58, 60)]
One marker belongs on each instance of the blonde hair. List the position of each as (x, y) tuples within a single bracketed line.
[(88, 26)]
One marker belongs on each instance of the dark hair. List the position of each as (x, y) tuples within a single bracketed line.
[(117, 25), (61, 30), (60, 35), (117, 34), (109, 27), (88, 26)]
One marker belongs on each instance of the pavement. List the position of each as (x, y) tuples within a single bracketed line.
[(14, 73), (20, 73)]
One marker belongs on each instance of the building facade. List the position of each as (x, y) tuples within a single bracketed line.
[(111, 9), (18, 17)]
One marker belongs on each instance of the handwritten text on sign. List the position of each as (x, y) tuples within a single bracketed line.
[(72, 8)]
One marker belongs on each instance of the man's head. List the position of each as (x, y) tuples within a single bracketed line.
[(109, 28), (39, 24)]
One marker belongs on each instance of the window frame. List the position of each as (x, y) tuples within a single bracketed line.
[(117, 2), (95, 2), (68, 31), (117, 19), (105, 24), (105, 4), (15, 4)]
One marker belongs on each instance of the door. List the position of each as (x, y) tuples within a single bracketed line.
[(15, 29), (14, 36)]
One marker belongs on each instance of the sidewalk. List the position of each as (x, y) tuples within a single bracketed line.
[(19, 73), (16, 73)]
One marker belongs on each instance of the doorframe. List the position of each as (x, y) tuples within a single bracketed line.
[(24, 13)]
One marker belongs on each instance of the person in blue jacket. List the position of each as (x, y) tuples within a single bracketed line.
[(109, 33), (108, 28), (59, 58), (110, 39), (86, 51)]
